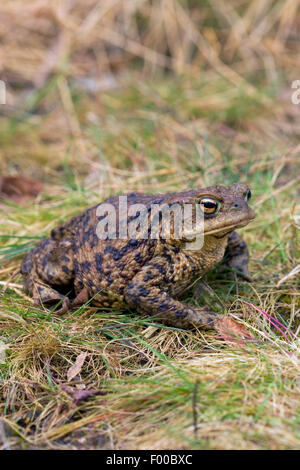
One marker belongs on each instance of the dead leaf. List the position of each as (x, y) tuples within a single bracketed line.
[(76, 368), (231, 330), (79, 395), (19, 187), (83, 394)]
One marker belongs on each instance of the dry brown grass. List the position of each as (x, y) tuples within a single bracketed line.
[(90, 38)]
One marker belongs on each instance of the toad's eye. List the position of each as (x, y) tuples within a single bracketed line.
[(209, 205), (247, 196)]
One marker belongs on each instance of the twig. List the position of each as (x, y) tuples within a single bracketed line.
[(195, 413), (293, 272), (3, 437)]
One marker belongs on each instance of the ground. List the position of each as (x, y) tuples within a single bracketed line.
[(115, 380)]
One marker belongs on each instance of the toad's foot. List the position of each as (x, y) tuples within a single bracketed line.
[(46, 295), (51, 299), (63, 303)]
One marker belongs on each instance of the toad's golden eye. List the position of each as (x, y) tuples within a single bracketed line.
[(209, 205), (247, 196)]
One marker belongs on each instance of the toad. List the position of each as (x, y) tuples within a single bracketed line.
[(147, 272)]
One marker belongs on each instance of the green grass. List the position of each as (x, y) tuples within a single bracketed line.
[(166, 388)]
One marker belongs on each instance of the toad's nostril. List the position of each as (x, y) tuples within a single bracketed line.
[(237, 205)]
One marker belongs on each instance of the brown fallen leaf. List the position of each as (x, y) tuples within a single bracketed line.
[(231, 330), (19, 188), (76, 368)]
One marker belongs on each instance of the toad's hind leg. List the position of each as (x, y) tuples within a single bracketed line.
[(48, 272)]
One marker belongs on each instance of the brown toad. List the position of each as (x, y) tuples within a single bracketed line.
[(147, 273)]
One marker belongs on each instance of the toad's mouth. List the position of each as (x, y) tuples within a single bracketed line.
[(222, 232)]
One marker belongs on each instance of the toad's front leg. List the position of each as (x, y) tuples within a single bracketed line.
[(236, 255), (147, 293)]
